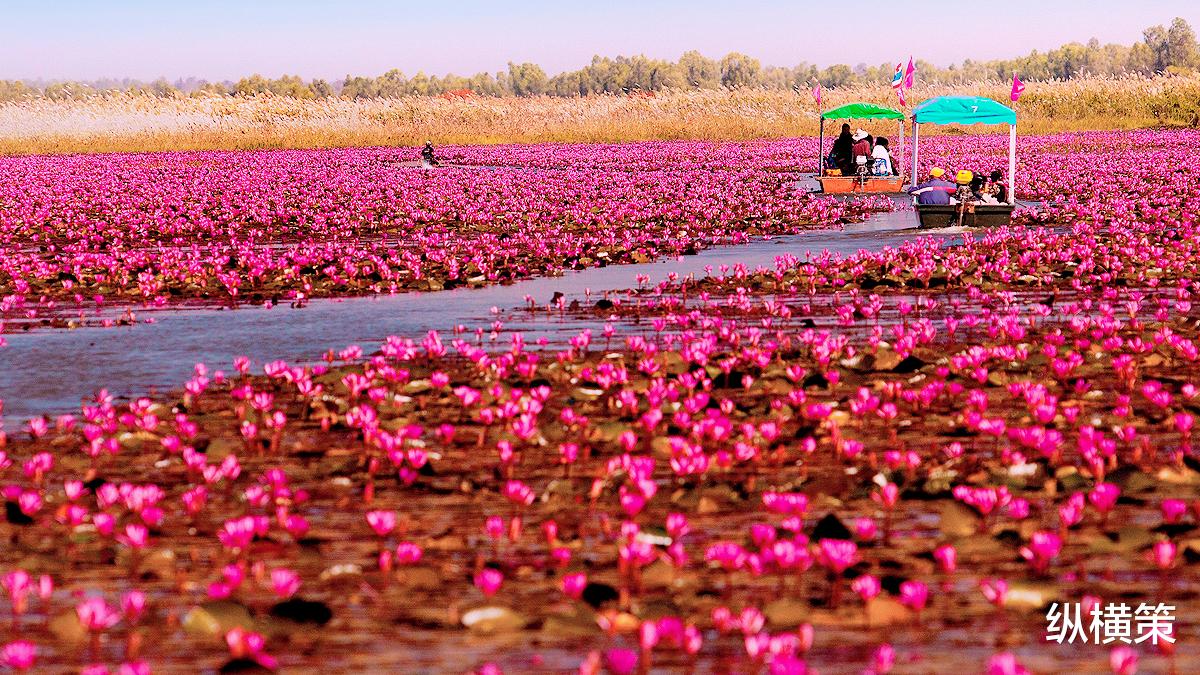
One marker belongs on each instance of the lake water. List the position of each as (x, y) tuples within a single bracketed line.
[(49, 371)]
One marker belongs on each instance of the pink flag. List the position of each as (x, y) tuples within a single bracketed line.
[(908, 74), (816, 92), (1018, 87), (900, 93)]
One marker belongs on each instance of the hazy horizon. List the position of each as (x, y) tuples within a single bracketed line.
[(226, 40)]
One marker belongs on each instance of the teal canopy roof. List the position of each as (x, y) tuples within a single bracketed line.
[(862, 111), (963, 110)]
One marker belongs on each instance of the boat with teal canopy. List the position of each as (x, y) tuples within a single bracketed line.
[(966, 110), (833, 182), (963, 110)]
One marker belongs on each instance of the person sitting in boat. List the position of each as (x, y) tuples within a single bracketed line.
[(862, 149), (841, 154), (936, 190), (964, 192), (881, 159), (977, 187), (427, 156), (997, 188), (985, 191)]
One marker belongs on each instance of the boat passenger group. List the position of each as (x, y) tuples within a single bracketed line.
[(859, 153), (968, 187)]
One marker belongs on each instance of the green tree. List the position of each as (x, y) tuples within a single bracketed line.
[(1181, 44), (359, 87), (739, 70), (249, 86), (320, 89), (15, 90), (391, 84), (837, 75), (63, 91), (699, 71), (527, 79), (1173, 47)]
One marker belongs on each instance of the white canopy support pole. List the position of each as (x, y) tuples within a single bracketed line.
[(916, 149), (821, 148), (900, 166), (1012, 163)]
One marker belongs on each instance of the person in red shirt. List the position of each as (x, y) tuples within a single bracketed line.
[(861, 148)]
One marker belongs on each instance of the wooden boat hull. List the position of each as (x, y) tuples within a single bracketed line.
[(982, 215), (836, 185)]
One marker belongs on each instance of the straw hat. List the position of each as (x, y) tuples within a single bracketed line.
[(937, 172), (859, 135)]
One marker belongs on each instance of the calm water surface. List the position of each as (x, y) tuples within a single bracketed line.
[(49, 371)]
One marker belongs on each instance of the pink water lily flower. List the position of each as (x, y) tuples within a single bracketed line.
[(96, 615), (383, 522), (1042, 550), (284, 582), (19, 654), (488, 581), (1123, 660), (837, 554)]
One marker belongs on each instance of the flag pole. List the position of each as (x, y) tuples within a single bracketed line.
[(916, 148), (905, 85), (1012, 143), (1012, 163)]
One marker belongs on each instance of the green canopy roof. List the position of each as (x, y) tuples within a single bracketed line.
[(862, 111), (963, 110)]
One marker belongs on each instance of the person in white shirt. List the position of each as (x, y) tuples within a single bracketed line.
[(881, 164)]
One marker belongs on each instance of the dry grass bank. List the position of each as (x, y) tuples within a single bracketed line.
[(138, 123)]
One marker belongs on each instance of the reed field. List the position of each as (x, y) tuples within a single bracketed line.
[(125, 122)]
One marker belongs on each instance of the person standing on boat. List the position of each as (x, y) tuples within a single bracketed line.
[(936, 190)]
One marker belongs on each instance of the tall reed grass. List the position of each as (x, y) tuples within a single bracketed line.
[(141, 123)]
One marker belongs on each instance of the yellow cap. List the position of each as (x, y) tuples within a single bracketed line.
[(964, 176), (937, 172)]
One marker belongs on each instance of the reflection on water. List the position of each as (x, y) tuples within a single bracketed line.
[(49, 371)]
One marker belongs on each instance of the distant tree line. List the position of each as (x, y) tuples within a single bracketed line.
[(1163, 49)]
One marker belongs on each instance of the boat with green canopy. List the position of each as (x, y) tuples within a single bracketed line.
[(966, 110), (832, 180)]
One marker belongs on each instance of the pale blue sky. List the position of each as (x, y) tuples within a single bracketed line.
[(225, 39)]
